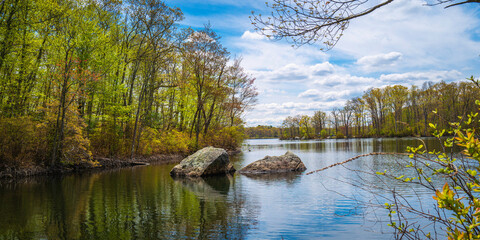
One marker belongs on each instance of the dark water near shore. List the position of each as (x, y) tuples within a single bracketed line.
[(144, 202)]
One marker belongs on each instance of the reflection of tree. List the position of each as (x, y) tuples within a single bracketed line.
[(137, 203)]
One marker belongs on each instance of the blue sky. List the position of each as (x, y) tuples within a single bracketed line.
[(403, 43)]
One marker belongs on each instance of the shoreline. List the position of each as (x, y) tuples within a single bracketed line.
[(15, 174)]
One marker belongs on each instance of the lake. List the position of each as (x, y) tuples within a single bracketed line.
[(144, 202)]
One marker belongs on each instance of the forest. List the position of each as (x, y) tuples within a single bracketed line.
[(106, 78), (391, 111)]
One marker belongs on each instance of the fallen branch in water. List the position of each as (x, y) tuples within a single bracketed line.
[(357, 157)]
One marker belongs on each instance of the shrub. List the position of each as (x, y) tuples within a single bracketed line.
[(107, 140), (339, 135), (76, 145), (324, 133), (17, 141), (156, 142), (229, 138)]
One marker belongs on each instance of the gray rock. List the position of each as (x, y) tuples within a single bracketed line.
[(205, 162), (288, 162)]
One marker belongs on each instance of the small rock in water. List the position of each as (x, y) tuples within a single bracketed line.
[(288, 162), (206, 161)]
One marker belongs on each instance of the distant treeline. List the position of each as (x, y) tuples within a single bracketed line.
[(112, 78), (262, 132), (392, 111)]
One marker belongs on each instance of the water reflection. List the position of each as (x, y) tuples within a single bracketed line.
[(214, 187), (288, 177), (138, 203), (146, 203)]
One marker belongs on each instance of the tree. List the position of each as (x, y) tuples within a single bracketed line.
[(346, 116), (304, 124), (242, 92), (113, 78), (358, 106), (319, 120), (396, 97), (208, 59), (319, 21), (335, 113)]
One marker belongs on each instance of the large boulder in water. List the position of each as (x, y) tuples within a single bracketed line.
[(288, 162), (207, 161)]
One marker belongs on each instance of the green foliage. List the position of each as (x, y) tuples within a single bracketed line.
[(391, 111), (323, 133), (156, 142), (75, 147), (458, 203), (17, 141), (339, 135), (108, 140), (229, 138), (96, 76), (262, 132)]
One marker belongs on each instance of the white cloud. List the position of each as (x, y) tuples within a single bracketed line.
[(322, 69), (319, 95), (260, 55), (427, 36), (345, 80), (403, 43), (379, 61), (326, 92), (252, 36), (290, 72), (310, 93), (418, 78)]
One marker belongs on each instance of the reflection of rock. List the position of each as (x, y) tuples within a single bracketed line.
[(212, 187), (288, 162), (207, 161), (284, 176)]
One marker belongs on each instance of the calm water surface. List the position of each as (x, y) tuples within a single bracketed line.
[(144, 202)]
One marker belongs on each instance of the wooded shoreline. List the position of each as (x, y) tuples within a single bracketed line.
[(100, 164)]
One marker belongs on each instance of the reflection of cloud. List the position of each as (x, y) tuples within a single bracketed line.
[(379, 61)]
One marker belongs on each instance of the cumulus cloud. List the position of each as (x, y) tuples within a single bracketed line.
[(319, 95), (379, 61), (426, 36), (345, 80), (418, 78), (260, 55), (252, 36), (403, 43), (322, 69), (310, 93), (295, 72), (290, 72)]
